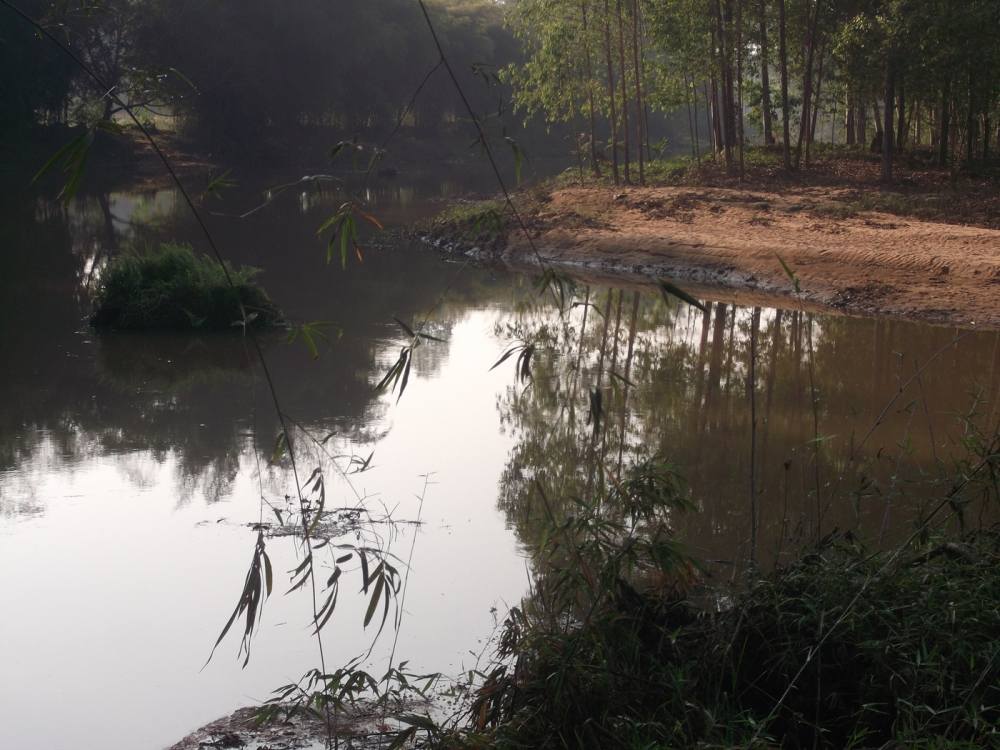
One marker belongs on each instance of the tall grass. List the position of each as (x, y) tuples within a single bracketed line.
[(171, 287)]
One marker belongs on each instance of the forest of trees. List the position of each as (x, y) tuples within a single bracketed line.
[(886, 74), (233, 72), (883, 74)]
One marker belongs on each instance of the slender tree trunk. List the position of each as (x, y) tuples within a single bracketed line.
[(862, 129), (765, 75), (888, 96), (636, 66), (611, 93), (943, 134), (645, 130), (986, 137), (739, 84), (816, 106), (697, 137), (716, 118), (783, 64), (833, 122), (970, 122), (624, 89), (849, 120), (807, 82), (726, 79), (901, 116), (590, 91), (687, 101)]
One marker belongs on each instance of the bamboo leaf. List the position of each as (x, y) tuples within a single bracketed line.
[(376, 593), (666, 288)]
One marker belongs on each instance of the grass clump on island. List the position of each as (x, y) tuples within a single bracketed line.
[(171, 287)]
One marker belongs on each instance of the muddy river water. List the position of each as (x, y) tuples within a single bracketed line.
[(133, 467)]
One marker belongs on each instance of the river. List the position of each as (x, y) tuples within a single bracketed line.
[(135, 468)]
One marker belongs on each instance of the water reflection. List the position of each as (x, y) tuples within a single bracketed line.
[(674, 380), (130, 464)]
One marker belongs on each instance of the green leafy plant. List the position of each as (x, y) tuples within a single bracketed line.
[(172, 287)]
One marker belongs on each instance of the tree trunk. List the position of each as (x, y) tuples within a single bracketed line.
[(849, 120), (807, 83), (697, 137), (687, 101), (901, 117), (888, 96), (765, 80), (590, 92), (726, 94), (624, 89), (986, 137), (815, 112), (862, 129), (970, 122), (783, 64), (739, 84), (945, 124), (638, 91), (611, 93), (716, 119)]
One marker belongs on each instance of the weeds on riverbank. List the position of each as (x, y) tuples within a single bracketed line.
[(171, 287), (912, 660)]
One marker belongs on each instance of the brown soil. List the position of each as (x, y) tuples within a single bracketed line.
[(732, 238)]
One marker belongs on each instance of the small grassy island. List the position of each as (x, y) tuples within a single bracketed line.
[(172, 288)]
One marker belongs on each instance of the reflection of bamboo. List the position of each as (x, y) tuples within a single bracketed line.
[(579, 361), (815, 413), (772, 375), (752, 388), (715, 364), (625, 385), (995, 397), (614, 364), (596, 417), (730, 350), (699, 380)]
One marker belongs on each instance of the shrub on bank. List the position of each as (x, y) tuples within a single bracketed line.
[(173, 288), (617, 648), (872, 651)]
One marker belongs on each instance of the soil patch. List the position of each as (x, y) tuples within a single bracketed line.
[(845, 259)]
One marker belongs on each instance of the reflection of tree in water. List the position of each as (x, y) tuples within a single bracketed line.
[(71, 394), (690, 402)]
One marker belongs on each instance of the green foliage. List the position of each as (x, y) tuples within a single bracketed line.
[(473, 220), (603, 663), (172, 287)]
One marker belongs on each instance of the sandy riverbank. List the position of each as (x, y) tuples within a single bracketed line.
[(730, 239)]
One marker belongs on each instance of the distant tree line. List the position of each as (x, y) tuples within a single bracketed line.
[(885, 74), (234, 71)]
